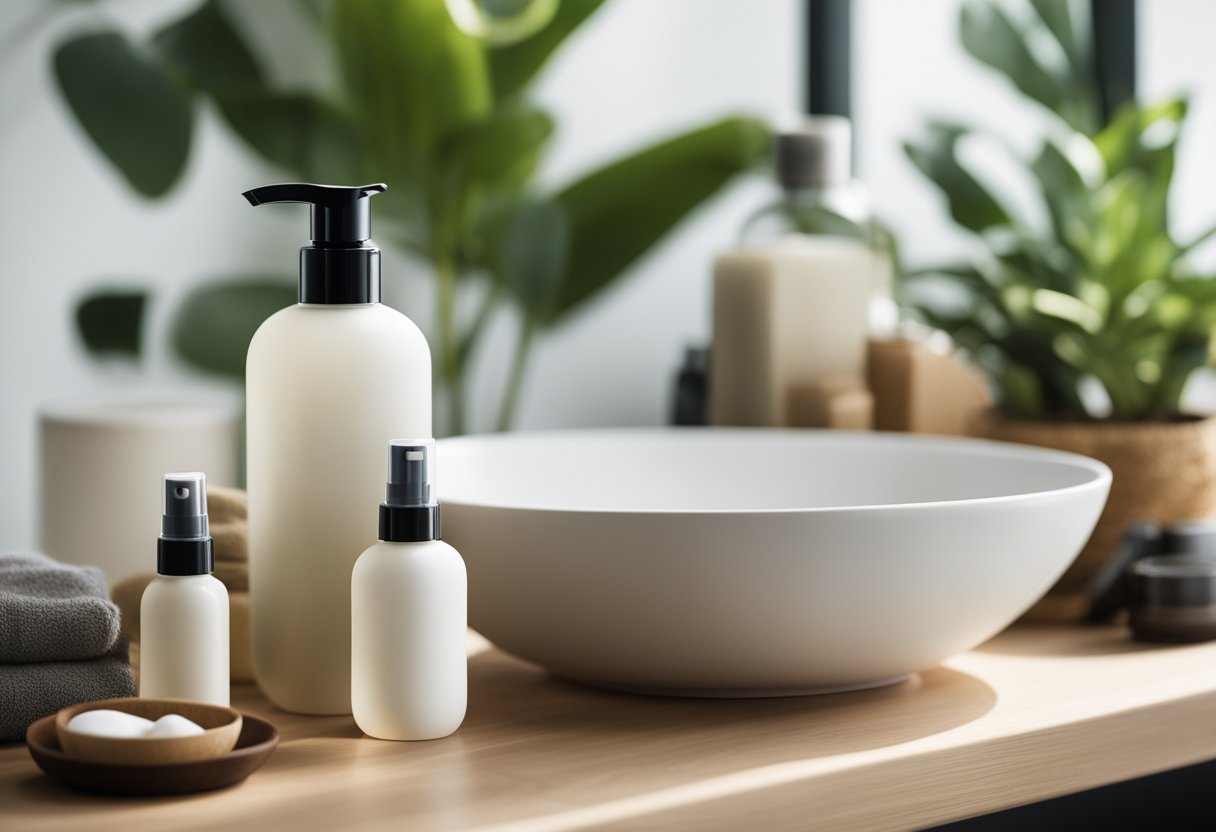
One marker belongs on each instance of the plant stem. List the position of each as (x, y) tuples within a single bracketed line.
[(469, 340), (519, 364), (449, 348)]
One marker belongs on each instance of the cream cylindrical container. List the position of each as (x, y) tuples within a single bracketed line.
[(183, 616), (409, 616), (329, 382), (115, 449)]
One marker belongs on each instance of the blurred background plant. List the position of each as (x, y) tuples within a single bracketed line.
[(1083, 306), (430, 97)]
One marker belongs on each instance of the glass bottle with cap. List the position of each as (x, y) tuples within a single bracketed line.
[(813, 165), (183, 615), (796, 300), (409, 599)]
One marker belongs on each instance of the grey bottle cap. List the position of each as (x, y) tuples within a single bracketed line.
[(1190, 537), (411, 473), (816, 154), (185, 506), (1173, 581)]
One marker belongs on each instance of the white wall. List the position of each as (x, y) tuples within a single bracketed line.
[(643, 69)]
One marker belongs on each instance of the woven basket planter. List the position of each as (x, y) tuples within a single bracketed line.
[(1163, 472)]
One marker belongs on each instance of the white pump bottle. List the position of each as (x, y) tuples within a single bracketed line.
[(329, 382)]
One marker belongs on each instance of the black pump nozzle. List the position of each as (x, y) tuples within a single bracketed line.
[(339, 267), (339, 214)]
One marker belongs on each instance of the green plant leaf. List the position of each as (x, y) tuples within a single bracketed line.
[(209, 52), (494, 161), (533, 254), (137, 116), (1021, 393), (111, 321), (216, 321), (504, 151), (1057, 17), (992, 38), (935, 155), (1122, 142), (300, 133), (619, 212), (1198, 241), (411, 77), (1066, 196), (513, 67)]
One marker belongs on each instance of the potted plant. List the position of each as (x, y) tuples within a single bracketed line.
[(1086, 314)]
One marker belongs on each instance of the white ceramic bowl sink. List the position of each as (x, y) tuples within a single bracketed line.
[(754, 563)]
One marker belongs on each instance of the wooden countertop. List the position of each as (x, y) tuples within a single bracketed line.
[(1035, 713)]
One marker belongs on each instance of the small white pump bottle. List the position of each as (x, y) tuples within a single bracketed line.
[(183, 617), (409, 601)]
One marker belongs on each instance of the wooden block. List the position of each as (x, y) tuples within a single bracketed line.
[(839, 403), (920, 390)]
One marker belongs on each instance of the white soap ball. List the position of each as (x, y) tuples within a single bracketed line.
[(173, 725), (106, 723)]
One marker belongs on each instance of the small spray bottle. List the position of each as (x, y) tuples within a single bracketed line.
[(409, 599), (183, 617)]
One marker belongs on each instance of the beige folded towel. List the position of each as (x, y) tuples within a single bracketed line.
[(228, 517), (128, 593)]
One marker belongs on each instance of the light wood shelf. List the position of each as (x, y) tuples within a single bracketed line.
[(1035, 713)]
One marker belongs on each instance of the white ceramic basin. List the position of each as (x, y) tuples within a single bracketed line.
[(756, 563)]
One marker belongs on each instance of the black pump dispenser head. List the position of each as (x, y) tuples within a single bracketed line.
[(341, 266)]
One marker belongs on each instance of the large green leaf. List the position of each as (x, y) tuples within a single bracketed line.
[(209, 52), (618, 212), (132, 110), (1057, 17), (504, 151), (512, 67), (1144, 139), (991, 37), (1066, 195), (216, 321), (495, 160), (936, 155), (533, 255), (300, 133), (112, 321), (411, 78)]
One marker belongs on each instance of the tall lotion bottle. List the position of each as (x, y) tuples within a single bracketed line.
[(329, 382)]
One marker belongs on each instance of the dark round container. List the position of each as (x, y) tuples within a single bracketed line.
[(1172, 598)]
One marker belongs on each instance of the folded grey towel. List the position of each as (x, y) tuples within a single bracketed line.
[(29, 692), (51, 611)]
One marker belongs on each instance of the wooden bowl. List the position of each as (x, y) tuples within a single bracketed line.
[(221, 727), (257, 742)]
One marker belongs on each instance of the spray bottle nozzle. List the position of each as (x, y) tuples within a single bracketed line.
[(185, 507), (411, 473)]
